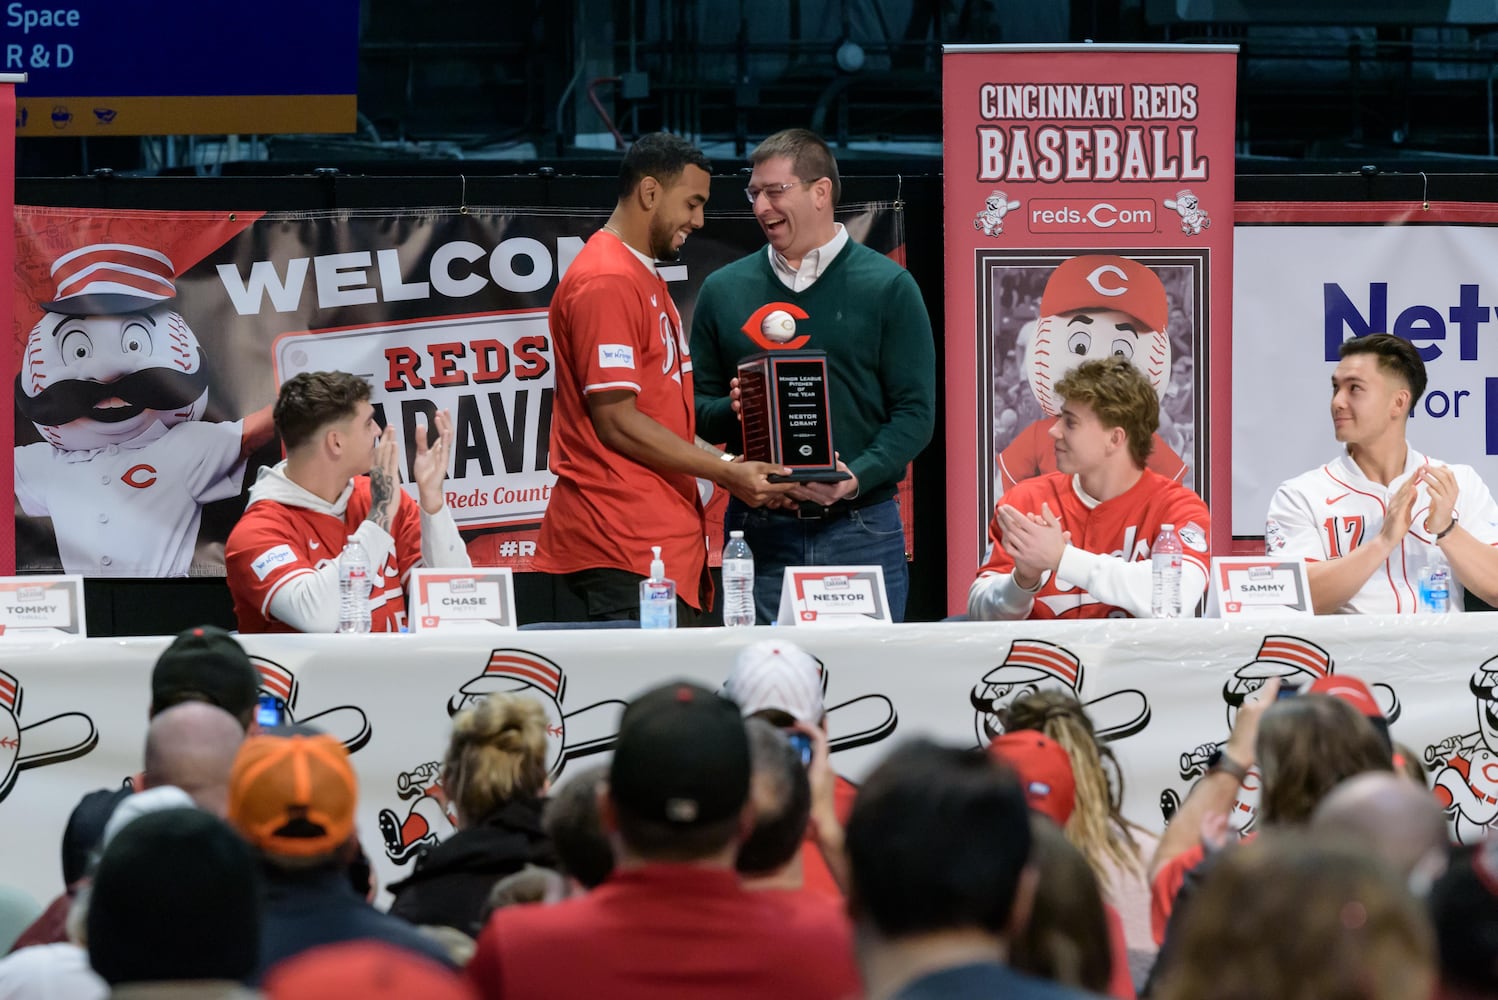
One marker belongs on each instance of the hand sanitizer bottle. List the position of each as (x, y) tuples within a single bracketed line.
[(657, 595)]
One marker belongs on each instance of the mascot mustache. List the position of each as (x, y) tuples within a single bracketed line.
[(150, 389)]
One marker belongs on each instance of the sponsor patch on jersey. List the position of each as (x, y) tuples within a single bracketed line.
[(270, 559), (1274, 536), (1193, 537), (616, 356)]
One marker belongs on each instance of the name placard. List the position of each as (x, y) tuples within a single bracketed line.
[(30, 604), (463, 599), (833, 595), (1247, 586)]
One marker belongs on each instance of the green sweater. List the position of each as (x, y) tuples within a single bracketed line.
[(866, 313)]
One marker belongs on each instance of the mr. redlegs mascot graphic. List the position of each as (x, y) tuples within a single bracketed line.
[(114, 380), (1094, 306)]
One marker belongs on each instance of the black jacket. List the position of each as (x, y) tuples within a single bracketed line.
[(452, 880)]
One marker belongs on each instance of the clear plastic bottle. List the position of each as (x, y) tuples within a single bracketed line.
[(657, 595), (738, 582), (353, 588), (1165, 573), (1435, 587)]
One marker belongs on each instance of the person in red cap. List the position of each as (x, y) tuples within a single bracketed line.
[(1076, 543), (116, 383), (1094, 306)]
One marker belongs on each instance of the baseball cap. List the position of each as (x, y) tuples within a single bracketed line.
[(293, 795), (371, 970), (1106, 281), (143, 803), (85, 830), (682, 757), (1349, 689), (204, 663), (779, 676), (1044, 770)]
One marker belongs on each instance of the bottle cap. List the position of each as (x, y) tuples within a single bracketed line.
[(735, 534), (1167, 527)]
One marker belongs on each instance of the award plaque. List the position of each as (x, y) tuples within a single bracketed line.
[(786, 419)]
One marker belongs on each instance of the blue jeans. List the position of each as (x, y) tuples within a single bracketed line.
[(868, 536)]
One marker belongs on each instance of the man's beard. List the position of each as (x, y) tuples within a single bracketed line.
[(149, 389)]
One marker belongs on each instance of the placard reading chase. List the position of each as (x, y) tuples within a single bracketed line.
[(51, 603), (463, 599), (1246, 586), (833, 595), (786, 420)]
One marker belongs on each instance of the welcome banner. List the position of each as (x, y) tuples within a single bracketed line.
[(1087, 181), (1313, 275), (149, 347)]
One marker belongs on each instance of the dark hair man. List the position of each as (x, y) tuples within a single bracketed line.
[(622, 438), (1076, 543), (866, 313), (1371, 519), (939, 845), (340, 480), (672, 918)]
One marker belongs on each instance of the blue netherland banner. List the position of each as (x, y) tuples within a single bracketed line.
[(149, 346)]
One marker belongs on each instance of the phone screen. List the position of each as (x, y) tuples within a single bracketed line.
[(802, 745), (270, 711), (1287, 691)]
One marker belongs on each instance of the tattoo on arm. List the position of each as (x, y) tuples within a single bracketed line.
[(382, 499)]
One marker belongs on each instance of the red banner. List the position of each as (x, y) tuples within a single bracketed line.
[(154, 343), (1097, 178), (9, 357)]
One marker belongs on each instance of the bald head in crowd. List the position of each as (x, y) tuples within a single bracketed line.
[(192, 746), (1398, 820)]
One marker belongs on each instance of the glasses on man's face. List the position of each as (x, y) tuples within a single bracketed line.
[(773, 191)]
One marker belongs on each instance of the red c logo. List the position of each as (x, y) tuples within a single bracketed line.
[(754, 329), (139, 476)]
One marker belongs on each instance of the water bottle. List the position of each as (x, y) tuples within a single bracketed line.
[(353, 588), (738, 581), (1165, 573), (657, 595), (1435, 587)]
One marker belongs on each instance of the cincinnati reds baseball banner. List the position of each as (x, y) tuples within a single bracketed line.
[(149, 347), (7, 263), (73, 712), (1343, 270), (1089, 211)]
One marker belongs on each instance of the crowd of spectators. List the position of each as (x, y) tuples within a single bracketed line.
[(718, 854)]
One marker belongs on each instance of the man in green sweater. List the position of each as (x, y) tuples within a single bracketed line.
[(862, 309)]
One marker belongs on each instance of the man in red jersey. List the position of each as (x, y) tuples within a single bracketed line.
[(671, 919), (623, 429), (1076, 543), (282, 557)]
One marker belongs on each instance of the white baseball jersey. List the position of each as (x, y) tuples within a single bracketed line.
[(1328, 512), (132, 509)]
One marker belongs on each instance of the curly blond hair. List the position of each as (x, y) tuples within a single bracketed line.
[(1097, 827), (497, 752)]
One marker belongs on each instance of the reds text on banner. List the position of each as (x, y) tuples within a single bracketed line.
[(1082, 184), (1339, 271), (143, 424)]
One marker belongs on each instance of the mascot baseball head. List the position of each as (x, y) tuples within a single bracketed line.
[(1095, 306), (110, 358)]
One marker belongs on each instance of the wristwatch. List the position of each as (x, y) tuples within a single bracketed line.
[(1448, 529), (1219, 761)]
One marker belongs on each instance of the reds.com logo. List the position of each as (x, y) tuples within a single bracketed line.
[(140, 476)]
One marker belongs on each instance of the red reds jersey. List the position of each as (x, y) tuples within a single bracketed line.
[(616, 328), (1328, 512), (1032, 453), (1105, 571), (275, 543)]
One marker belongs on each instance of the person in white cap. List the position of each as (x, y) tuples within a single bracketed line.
[(783, 684), (115, 381)]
